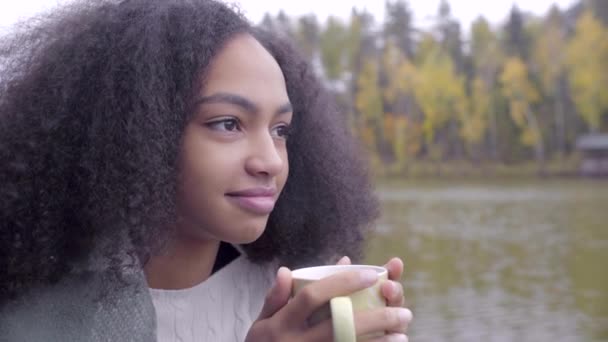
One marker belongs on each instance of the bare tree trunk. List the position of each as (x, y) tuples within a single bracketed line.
[(489, 80), (560, 121), (493, 134), (539, 147)]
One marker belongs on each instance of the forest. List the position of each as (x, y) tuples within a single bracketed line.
[(493, 98)]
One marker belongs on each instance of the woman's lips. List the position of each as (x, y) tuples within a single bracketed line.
[(256, 200)]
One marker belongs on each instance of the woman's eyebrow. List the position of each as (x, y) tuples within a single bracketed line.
[(286, 108), (240, 101)]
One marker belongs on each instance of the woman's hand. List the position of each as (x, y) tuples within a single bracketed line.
[(283, 319), (392, 290)]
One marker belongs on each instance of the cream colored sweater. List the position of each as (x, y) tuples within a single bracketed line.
[(222, 308)]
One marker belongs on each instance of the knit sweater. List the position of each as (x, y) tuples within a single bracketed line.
[(222, 308)]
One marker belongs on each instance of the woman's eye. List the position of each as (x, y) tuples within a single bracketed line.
[(225, 125), (281, 131)]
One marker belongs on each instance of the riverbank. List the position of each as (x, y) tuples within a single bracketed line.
[(565, 168)]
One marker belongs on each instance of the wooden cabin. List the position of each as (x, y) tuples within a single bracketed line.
[(594, 155)]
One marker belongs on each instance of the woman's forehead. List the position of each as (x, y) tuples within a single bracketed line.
[(244, 67)]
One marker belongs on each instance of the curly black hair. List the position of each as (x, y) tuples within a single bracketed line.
[(94, 98)]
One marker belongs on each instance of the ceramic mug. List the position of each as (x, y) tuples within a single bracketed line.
[(341, 309)]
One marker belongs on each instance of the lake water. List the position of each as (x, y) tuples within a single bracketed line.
[(499, 261)]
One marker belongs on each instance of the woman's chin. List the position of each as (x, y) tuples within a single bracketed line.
[(247, 235)]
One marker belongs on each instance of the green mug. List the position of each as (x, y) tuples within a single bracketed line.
[(341, 309)]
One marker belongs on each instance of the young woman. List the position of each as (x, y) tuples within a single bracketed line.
[(160, 159)]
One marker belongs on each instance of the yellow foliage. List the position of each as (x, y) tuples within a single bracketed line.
[(587, 59), (439, 92), (530, 137), (368, 98), (404, 135), (516, 83), (549, 55), (368, 102), (367, 136), (426, 48), (485, 48), (475, 121), (401, 73), (520, 93)]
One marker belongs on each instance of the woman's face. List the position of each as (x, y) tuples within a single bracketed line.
[(233, 162)]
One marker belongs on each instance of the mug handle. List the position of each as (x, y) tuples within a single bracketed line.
[(342, 319)]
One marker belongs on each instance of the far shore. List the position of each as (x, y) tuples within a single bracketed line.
[(479, 170)]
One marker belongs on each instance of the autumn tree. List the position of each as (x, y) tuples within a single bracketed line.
[(401, 119), (361, 57), (368, 102), (522, 90), (402, 126), (587, 60), (521, 96), (440, 94), (450, 35), (475, 120), (548, 60), (486, 56)]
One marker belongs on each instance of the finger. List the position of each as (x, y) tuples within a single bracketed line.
[(393, 293), (278, 296), (395, 268), (323, 331), (391, 338), (345, 260), (392, 320), (315, 294)]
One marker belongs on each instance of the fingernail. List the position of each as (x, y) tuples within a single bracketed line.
[(282, 269), (405, 315), (369, 277)]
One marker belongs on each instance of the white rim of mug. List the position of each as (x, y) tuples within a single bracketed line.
[(303, 273)]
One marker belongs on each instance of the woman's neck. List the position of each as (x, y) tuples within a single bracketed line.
[(185, 263)]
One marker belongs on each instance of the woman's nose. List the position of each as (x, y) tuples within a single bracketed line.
[(265, 157)]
